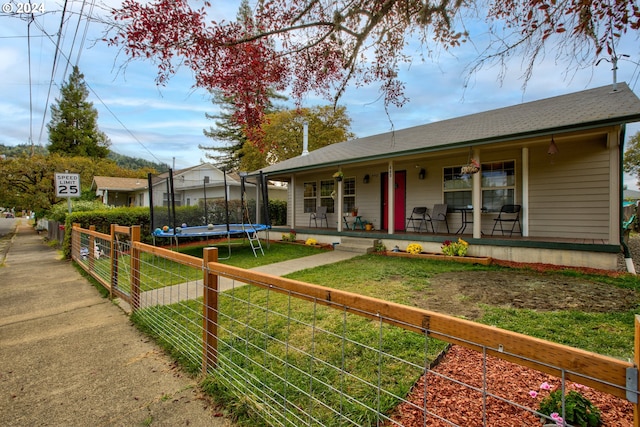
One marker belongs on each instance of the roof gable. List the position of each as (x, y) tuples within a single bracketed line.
[(580, 110)]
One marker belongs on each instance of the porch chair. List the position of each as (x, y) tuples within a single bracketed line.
[(418, 215), (438, 216), (508, 214), (319, 214)]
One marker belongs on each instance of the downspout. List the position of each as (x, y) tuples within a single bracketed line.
[(625, 248)]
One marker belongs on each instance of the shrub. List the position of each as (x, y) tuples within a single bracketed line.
[(458, 248)]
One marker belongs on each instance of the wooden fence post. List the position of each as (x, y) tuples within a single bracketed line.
[(114, 261), (209, 312), (91, 248), (75, 241), (134, 274)]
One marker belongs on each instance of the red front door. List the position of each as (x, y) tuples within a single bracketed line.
[(399, 200)]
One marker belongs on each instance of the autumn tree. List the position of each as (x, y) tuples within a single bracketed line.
[(321, 46), (28, 181), (632, 157), (283, 134), (73, 129)]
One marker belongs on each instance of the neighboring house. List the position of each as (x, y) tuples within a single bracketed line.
[(190, 185), (558, 158), (115, 191)]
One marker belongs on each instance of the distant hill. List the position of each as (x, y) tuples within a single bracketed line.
[(136, 163), (123, 161)]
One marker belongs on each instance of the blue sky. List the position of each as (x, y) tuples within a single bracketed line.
[(164, 124)]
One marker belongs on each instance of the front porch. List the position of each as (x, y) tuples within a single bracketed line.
[(583, 253)]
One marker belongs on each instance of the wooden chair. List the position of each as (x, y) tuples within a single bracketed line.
[(319, 214), (418, 215), (508, 214)]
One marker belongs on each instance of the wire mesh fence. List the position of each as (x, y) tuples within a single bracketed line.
[(297, 354)]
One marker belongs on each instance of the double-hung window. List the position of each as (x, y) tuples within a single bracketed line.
[(310, 196), (456, 187), (348, 194), (327, 194), (498, 182), (498, 185)]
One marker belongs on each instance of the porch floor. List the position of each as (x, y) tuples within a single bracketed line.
[(408, 235)]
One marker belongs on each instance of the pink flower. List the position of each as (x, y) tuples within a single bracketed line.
[(545, 386), (533, 394), (580, 386), (557, 418)]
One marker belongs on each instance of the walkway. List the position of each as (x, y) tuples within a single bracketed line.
[(72, 358), (194, 289)]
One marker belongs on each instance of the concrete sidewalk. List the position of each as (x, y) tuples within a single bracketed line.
[(72, 358)]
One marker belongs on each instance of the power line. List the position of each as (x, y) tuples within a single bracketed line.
[(67, 59)]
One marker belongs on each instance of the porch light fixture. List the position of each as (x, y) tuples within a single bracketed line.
[(365, 179), (422, 174), (553, 148)]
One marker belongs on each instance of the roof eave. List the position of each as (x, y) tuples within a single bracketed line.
[(617, 121)]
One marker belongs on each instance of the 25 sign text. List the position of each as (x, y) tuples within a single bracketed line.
[(67, 185)]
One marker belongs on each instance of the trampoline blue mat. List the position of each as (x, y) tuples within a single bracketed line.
[(207, 231)]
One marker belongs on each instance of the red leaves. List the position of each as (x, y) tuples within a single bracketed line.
[(311, 46)]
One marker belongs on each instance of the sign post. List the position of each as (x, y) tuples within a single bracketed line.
[(68, 185)]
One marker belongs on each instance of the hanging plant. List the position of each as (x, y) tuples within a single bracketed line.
[(471, 168), (338, 175)]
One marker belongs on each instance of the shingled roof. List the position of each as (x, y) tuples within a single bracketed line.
[(580, 110), (112, 183)]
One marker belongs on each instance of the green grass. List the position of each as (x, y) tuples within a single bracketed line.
[(242, 255), (281, 338)]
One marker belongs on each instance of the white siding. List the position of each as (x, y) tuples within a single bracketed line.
[(569, 192)]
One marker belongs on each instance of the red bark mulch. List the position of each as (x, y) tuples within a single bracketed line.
[(463, 405)]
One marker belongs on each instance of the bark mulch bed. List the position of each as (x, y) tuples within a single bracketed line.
[(464, 406)]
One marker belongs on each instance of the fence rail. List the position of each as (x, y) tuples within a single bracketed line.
[(292, 347)]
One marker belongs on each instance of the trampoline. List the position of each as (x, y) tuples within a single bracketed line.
[(218, 230), (242, 227)]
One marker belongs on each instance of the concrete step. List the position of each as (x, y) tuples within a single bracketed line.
[(357, 245)]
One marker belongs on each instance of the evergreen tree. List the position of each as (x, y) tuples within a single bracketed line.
[(73, 129)]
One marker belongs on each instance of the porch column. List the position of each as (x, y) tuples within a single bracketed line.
[(339, 206), (291, 205), (391, 207), (525, 191), (476, 198)]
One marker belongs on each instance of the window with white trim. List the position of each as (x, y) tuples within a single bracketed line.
[(328, 194), (498, 184), (498, 181), (348, 194), (456, 188), (310, 196)]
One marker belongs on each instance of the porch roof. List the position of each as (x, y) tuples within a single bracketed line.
[(587, 109)]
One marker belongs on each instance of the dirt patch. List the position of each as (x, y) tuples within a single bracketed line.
[(463, 294)]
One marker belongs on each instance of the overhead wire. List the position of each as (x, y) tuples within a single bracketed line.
[(59, 53), (53, 68)]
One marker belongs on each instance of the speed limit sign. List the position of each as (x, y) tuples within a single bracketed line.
[(67, 185)]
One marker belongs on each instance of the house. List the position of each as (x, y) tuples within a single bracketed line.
[(190, 185), (558, 159), (206, 181), (116, 191)]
